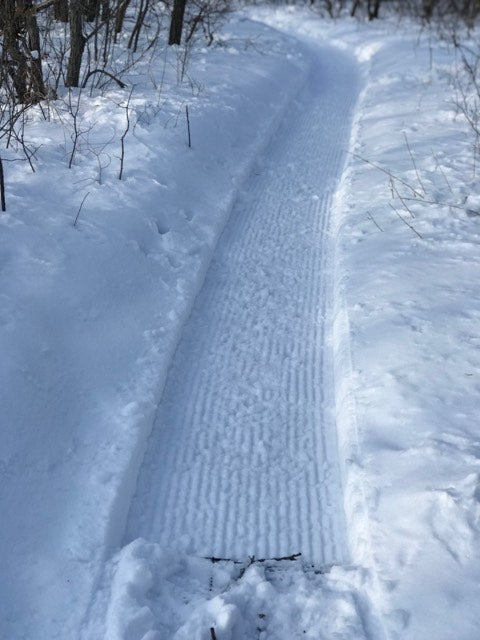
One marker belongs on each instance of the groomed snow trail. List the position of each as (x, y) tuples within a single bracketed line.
[(242, 460)]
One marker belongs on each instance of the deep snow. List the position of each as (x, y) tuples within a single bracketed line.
[(91, 315)]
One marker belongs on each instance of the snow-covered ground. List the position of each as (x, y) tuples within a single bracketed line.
[(322, 399)]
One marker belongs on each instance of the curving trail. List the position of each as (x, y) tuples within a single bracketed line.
[(242, 460)]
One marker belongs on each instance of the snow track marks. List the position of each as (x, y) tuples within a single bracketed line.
[(242, 459)]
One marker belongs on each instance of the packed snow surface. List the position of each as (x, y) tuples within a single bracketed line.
[(243, 458), (240, 393)]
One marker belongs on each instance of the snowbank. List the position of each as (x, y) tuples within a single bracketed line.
[(408, 308), (405, 318)]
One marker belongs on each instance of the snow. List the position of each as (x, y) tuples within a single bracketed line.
[(413, 309), (243, 423), (273, 236), (191, 595)]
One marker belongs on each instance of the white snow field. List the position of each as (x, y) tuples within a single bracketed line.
[(242, 353)]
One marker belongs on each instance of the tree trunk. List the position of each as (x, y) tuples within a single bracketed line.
[(13, 60), (355, 5), (176, 23), (21, 50), (91, 9), (60, 10), (37, 87), (142, 12), (77, 43), (105, 10), (373, 9), (120, 14)]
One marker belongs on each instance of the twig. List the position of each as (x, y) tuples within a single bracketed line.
[(402, 200), (374, 221), (387, 172), (2, 187), (121, 84), (188, 127), (439, 204), (443, 173), (292, 558), (252, 559), (212, 634), (76, 132), (124, 134), (407, 223), (390, 184), (214, 560), (414, 163), (80, 208)]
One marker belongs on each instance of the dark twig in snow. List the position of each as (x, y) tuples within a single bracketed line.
[(414, 163), (124, 134), (121, 84), (439, 204), (407, 223), (402, 199), (374, 221), (2, 187), (443, 173), (253, 559), (388, 173), (80, 208), (188, 127)]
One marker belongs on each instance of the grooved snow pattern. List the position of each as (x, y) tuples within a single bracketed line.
[(241, 460)]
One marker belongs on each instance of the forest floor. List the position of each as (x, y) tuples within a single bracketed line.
[(241, 392)]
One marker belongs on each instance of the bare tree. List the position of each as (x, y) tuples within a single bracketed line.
[(20, 55), (60, 8), (33, 40), (373, 7), (120, 11), (176, 22), (77, 43), (141, 15)]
